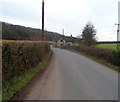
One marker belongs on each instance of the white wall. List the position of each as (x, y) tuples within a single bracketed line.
[(119, 19), (59, 43)]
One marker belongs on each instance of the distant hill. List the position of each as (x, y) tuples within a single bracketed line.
[(16, 32)]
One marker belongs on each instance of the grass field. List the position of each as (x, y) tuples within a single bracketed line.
[(108, 46)]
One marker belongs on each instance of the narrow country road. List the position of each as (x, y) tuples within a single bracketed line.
[(73, 77)]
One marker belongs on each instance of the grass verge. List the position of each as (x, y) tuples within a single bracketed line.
[(98, 60), (9, 90)]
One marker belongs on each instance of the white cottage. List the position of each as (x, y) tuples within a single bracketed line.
[(62, 42)]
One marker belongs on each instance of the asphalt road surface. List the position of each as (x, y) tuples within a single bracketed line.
[(73, 77)]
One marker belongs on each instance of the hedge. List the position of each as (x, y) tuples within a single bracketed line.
[(18, 57), (110, 56)]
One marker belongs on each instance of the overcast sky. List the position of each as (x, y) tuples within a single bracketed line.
[(72, 15)]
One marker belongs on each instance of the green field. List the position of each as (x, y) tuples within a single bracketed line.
[(108, 46)]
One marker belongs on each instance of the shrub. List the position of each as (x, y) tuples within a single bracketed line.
[(110, 56), (114, 58), (18, 57)]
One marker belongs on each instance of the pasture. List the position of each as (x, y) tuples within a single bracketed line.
[(107, 46)]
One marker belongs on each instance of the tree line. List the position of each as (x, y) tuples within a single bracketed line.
[(17, 32)]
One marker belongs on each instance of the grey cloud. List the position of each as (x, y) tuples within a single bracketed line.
[(19, 11)]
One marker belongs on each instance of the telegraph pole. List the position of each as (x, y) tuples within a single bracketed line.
[(43, 36), (118, 30)]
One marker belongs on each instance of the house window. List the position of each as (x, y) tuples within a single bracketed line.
[(61, 40)]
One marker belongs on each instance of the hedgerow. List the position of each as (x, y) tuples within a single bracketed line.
[(18, 57), (107, 55)]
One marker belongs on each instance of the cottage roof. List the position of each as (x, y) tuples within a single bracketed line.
[(67, 39)]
